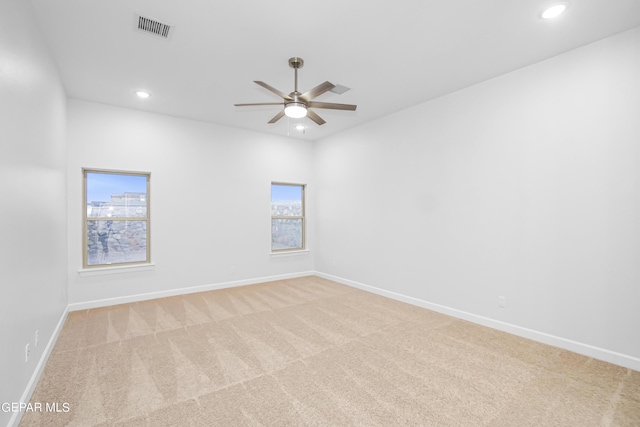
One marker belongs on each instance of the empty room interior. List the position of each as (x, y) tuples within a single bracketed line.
[(331, 213)]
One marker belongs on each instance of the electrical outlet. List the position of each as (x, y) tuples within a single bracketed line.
[(502, 302), (37, 338), (27, 353), (232, 271), (333, 264)]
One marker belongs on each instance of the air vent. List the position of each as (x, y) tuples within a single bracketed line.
[(153, 27)]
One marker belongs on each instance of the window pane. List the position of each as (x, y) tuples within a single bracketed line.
[(286, 234), (116, 195), (111, 242), (286, 200)]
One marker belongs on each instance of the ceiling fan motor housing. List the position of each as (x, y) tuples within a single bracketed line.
[(296, 62)]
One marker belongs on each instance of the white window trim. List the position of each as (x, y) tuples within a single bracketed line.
[(117, 269), (292, 252)]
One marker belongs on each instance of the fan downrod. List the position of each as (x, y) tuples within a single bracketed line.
[(296, 62)]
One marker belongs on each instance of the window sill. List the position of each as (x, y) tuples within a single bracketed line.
[(290, 253), (101, 271)]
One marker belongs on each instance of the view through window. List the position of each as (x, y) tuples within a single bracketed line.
[(287, 217), (116, 218)]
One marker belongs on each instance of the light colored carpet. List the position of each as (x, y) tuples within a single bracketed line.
[(313, 352)]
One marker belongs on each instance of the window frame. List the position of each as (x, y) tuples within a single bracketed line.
[(86, 219), (302, 217)]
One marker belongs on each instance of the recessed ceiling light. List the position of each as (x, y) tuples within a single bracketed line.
[(142, 94), (300, 127), (554, 11)]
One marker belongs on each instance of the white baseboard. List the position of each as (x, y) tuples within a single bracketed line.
[(181, 291), (31, 385), (566, 344)]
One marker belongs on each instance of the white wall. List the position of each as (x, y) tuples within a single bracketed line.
[(525, 186), (32, 199), (210, 198)]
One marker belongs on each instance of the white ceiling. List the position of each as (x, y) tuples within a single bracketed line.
[(391, 54)]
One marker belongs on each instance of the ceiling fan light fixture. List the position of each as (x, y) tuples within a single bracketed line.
[(295, 110)]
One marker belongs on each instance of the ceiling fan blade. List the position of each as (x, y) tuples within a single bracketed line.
[(277, 117), (332, 106), (273, 89), (259, 103), (316, 118), (318, 90)]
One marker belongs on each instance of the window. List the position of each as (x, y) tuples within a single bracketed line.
[(116, 218), (287, 217)]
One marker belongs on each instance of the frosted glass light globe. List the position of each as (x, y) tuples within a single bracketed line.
[(295, 110)]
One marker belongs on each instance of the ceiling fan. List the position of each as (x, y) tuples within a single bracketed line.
[(298, 105)]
